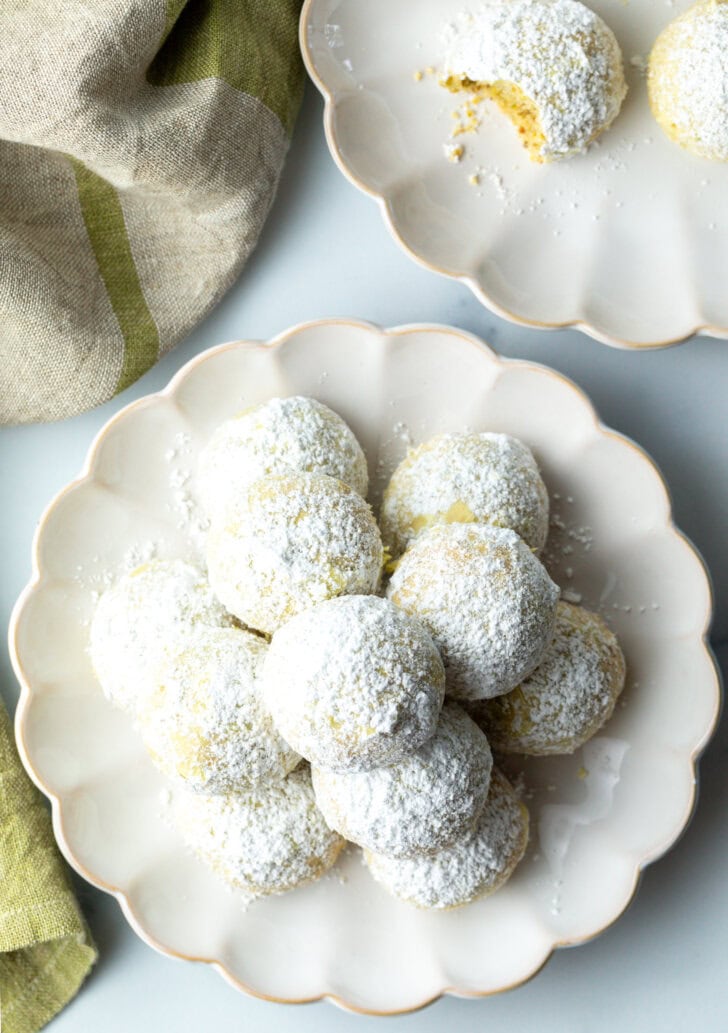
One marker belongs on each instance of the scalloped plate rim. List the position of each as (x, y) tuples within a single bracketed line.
[(575, 323), (85, 475)]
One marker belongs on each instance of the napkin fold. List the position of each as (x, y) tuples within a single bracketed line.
[(45, 948), (141, 142)]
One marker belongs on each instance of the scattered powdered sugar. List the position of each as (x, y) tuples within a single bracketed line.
[(334, 35), (268, 839), (420, 804), (206, 724), (558, 52), (486, 600), (567, 698), (688, 79), (137, 554), (98, 577), (149, 611), (185, 506), (282, 436), (487, 478), (473, 866), (291, 542), (569, 540), (354, 683)]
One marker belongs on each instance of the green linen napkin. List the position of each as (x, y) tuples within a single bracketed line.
[(141, 143), (45, 948)]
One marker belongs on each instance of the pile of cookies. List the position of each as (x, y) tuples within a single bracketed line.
[(333, 679)]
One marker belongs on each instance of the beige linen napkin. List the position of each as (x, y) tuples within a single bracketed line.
[(141, 143)]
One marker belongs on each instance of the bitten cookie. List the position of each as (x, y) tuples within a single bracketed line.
[(552, 66)]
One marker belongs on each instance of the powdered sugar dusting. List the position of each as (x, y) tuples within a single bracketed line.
[(284, 435), (290, 542), (421, 803), (269, 839), (473, 866), (206, 724), (354, 683), (486, 600), (688, 79), (149, 611), (185, 506), (489, 478), (558, 52), (567, 698)]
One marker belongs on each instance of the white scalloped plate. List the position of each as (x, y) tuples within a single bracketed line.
[(597, 817), (628, 243)]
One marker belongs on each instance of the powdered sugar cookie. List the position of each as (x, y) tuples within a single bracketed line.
[(149, 611), (569, 696), (465, 478), (206, 724), (269, 839), (290, 542), (687, 79), (486, 600), (281, 436), (552, 66), (419, 804), (474, 866), (354, 683)]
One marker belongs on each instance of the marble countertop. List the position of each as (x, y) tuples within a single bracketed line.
[(325, 252)]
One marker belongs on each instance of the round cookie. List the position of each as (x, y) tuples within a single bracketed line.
[(687, 79), (290, 542), (552, 66), (420, 804), (474, 866), (147, 612), (269, 839), (569, 696), (206, 724), (486, 600), (354, 683), (464, 478), (281, 436)]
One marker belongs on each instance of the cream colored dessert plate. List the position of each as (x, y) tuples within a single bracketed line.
[(597, 817), (629, 242)]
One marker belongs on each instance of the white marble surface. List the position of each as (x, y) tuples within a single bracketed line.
[(326, 252)]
